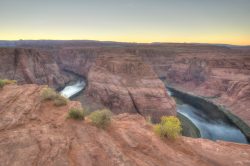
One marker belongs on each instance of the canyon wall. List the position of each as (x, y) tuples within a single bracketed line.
[(30, 66), (76, 60), (219, 73), (124, 83)]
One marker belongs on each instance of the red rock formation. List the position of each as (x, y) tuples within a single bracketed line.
[(35, 133), (76, 60), (204, 70), (218, 72), (225, 78), (125, 84), (30, 66), (237, 97)]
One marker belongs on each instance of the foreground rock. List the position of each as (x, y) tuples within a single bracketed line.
[(35, 133), (125, 84)]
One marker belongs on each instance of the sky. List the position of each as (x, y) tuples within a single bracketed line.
[(143, 21)]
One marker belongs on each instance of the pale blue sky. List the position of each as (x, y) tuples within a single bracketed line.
[(213, 21)]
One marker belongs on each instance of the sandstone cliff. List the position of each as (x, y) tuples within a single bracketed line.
[(30, 66), (35, 133), (76, 60), (219, 73), (125, 84)]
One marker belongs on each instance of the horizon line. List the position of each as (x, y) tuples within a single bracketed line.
[(131, 42)]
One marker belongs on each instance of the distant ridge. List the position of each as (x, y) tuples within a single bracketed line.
[(55, 43)]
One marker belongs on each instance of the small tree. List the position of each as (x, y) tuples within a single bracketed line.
[(101, 118), (169, 127)]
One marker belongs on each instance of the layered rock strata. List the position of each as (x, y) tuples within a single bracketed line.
[(125, 84), (30, 66)]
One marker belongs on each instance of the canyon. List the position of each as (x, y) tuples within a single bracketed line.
[(220, 73), (130, 80)]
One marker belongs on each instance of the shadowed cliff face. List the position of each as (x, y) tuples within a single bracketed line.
[(125, 84), (76, 60), (37, 133), (30, 66)]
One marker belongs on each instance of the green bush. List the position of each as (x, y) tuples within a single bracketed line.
[(101, 118), (169, 127), (48, 94), (51, 94), (76, 113), (60, 100), (6, 82)]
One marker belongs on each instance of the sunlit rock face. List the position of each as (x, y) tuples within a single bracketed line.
[(125, 84)]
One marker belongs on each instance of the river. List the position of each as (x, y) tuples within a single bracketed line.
[(71, 90), (210, 126)]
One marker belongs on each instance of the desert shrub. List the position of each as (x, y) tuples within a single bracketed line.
[(170, 127), (48, 94), (101, 118), (6, 82), (76, 113), (51, 94), (60, 100)]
